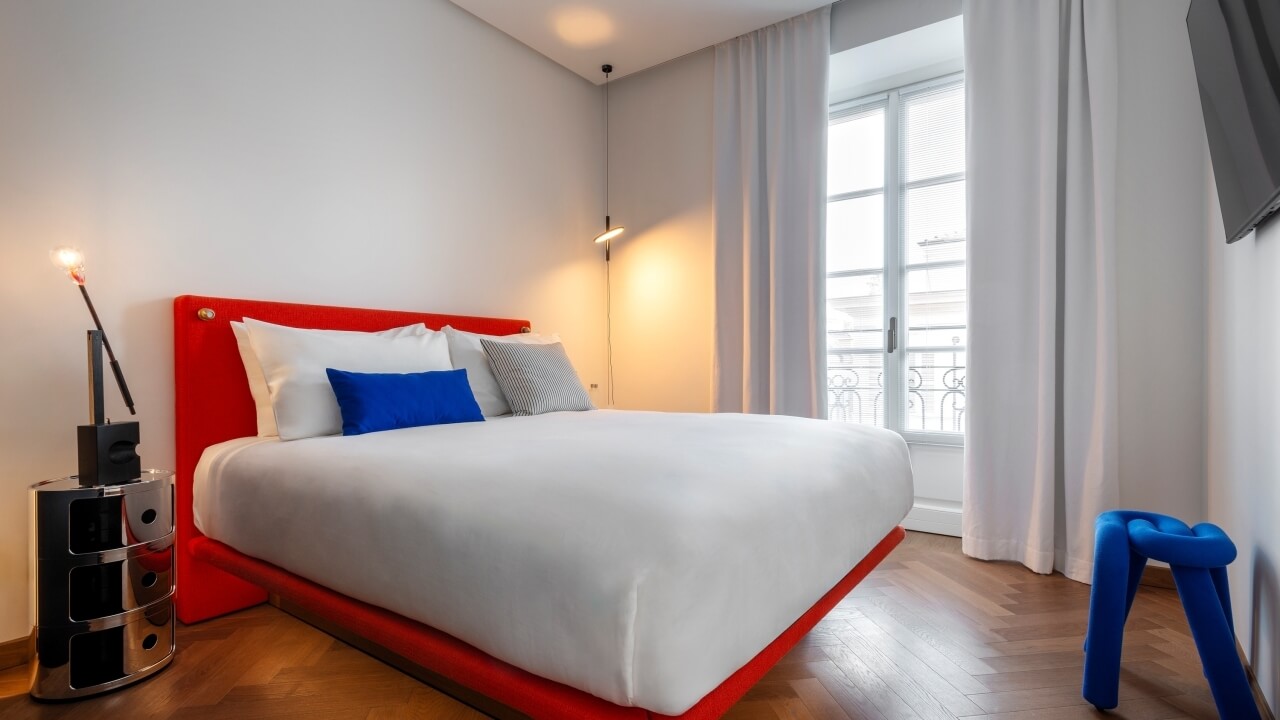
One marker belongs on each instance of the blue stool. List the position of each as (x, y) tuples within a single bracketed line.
[(1199, 557)]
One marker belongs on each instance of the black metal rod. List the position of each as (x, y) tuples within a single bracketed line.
[(111, 356), (607, 227), (97, 405), (607, 69)]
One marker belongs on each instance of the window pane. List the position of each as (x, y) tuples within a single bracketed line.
[(933, 133), (855, 312), (855, 339), (933, 219), (855, 388), (936, 302), (934, 337), (935, 392), (855, 234), (855, 153)]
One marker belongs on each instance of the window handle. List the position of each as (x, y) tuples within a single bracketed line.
[(891, 338)]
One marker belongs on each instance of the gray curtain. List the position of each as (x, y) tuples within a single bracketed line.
[(1041, 453), (770, 127)]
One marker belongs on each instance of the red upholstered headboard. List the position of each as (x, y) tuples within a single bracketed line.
[(213, 405)]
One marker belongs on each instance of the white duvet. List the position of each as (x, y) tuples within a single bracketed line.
[(641, 557)]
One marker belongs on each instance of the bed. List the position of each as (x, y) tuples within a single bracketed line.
[(603, 564)]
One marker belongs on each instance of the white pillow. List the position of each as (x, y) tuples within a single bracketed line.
[(465, 350), (294, 363), (258, 381)]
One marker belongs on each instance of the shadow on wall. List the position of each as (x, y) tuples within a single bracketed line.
[(1266, 623)]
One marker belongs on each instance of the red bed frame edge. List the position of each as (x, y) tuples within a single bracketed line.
[(213, 405), (509, 685)]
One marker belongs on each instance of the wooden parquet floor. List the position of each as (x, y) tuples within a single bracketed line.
[(930, 635)]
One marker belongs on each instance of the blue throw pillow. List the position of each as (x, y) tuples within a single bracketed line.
[(371, 402)]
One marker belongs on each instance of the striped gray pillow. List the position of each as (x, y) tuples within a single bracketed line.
[(536, 378)]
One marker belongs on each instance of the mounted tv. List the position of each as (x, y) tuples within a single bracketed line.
[(1236, 46)]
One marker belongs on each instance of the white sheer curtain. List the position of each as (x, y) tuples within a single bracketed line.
[(770, 128), (1041, 451)]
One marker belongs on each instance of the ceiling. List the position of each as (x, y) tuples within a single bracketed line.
[(629, 34)]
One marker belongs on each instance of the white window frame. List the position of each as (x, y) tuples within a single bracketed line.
[(895, 268)]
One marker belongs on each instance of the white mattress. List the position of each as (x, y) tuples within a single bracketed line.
[(641, 557)]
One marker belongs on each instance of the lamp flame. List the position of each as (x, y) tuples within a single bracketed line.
[(71, 261)]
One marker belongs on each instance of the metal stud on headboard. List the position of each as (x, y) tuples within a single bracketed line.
[(526, 329), (206, 314)]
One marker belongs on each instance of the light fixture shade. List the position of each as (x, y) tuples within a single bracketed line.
[(610, 234)]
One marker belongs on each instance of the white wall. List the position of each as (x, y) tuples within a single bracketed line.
[(1244, 429), (858, 22), (389, 153), (660, 173)]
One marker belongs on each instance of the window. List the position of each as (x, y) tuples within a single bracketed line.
[(896, 283)]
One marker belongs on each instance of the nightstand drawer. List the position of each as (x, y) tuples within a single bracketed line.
[(100, 524), (70, 663), (96, 591), (79, 593), (110, 523)]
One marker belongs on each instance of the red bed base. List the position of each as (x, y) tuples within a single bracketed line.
[(213, 405)]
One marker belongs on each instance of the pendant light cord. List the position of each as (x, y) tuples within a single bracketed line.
[(606, 144), (608, 279), (608, 314)]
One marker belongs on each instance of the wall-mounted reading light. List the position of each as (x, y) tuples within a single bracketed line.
[(610, 232)]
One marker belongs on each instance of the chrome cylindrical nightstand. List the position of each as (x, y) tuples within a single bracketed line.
[(102, 584)]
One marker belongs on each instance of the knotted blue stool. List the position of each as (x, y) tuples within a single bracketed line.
[(1198, 556)]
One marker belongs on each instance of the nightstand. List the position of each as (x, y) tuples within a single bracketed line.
[(102, 584)]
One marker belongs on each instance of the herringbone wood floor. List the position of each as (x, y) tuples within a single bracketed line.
[(929, 635)]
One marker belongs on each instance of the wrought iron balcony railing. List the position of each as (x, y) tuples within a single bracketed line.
[(935, 392)]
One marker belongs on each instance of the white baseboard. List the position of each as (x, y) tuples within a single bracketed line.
[(939, 518)]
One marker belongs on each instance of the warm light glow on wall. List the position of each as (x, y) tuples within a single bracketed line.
[(583, 27), (652, 272)]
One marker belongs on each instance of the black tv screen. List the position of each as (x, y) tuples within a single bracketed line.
[(1236, 46)]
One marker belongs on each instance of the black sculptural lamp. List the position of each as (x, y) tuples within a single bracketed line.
[(107, 451)]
